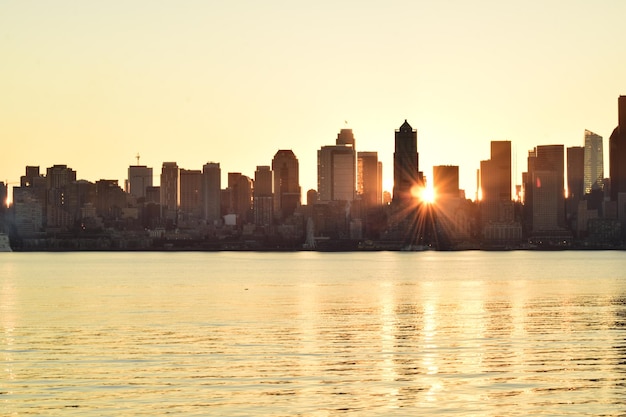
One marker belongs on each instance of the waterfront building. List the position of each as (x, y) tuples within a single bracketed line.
[(287, 193)]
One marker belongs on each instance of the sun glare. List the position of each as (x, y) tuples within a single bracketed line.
[(428, 195)]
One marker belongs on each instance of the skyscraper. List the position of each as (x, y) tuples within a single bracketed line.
[(139, 178), (495, 184), (170, 191), (617, 152), (190, 193), (577, 172), (286, 182), (548, 211), (336, 169), (263, 202), (446, 181), (594, 163), (369, 179), (211, 187), (405, 165)]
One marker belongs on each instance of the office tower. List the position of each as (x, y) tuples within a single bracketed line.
[(139, 178), (286, 183), (617, 152), (191, 205), (263, 204), (58, 178), (211, 191), (110, 199), (170, 191), (336, 169), (369, 179), (446, 181), (495, 184), (240, 187), (548, 194), (594, 162), (576, 172), (406, 174)]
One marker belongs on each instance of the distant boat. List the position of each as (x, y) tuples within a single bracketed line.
[(5, 246)]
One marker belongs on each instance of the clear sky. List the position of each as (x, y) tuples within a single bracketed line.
[(92, 83)]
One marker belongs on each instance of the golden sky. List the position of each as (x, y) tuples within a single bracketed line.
[(91, 84)]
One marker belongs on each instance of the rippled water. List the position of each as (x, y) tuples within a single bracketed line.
[(283, 334)]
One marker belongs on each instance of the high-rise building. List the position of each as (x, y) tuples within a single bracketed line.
[(240, 187), (336, 169), (594, 162), (211, 191), (191, 193), (406, 174), (446, 181), (495, 184), (263, 204), (548, 193), (286, 183), (170, 191), (58, 178), (576, 170), (617, 152), (139, 178), (369, 179)]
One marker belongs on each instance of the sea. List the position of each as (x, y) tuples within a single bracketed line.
[(512, 333)]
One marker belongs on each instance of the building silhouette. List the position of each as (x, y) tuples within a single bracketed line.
[(336, 169), (617, 152), (446, 181), (191, 193), (547, 196), (576, 168), (170, 191), (239, 197), (263, 204), (498, 224), (594, 162), (139, 178), (287, 194), (406, 175), (369, 179), (211, 191), (575, 184)]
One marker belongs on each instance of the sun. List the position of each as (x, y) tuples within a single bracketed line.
[(425, 194), (428, 195)]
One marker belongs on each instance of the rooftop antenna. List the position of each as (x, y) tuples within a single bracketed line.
[(137, 156)]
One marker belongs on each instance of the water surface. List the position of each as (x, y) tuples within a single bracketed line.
[(321, 334)]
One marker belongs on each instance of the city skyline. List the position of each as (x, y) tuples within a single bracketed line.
[(95, 84)]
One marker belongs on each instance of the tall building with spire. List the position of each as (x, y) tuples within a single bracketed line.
[(594, 162), (406, 173)]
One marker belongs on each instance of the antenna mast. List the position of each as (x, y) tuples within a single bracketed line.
[(137, 156)]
